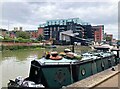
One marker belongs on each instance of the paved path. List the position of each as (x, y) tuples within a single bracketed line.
[(112, 82)]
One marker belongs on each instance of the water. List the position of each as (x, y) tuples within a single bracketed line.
[(17, 63)]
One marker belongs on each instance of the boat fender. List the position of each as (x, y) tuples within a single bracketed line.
[(19, 80)]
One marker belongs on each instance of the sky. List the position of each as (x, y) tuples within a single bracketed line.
[(29, 14)]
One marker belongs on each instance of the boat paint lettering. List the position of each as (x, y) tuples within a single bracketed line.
[(60, 76)]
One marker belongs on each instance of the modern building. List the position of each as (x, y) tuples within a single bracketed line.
[(53, 28), (71, 38), (98, 32), (88, 32)]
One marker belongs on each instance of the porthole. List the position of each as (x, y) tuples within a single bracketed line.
[(102, 65), (114, 60), (83, 72), (36, 72)]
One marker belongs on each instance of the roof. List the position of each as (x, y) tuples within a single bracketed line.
[(2, 29), (31, 30), (64, 21)]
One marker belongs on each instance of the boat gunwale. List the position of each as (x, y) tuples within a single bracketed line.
[(72, 63)]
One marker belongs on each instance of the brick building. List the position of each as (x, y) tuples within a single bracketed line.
[(98, 33), (40, 31)]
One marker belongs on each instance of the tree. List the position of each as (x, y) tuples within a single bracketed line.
[(108, 39), (22, 34), (40, 38)]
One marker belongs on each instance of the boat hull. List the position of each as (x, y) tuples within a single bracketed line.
[(57, 76)]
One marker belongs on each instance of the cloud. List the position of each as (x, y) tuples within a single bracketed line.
[(30, 14)]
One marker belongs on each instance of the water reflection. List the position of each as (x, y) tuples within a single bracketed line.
[(21, 55), (17, 63)]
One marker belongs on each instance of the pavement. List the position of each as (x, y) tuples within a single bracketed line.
[(112, 82), (107, 78)]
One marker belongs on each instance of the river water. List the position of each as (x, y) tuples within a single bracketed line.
[(17, 63)]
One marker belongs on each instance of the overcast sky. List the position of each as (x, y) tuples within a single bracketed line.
[(30, 14)]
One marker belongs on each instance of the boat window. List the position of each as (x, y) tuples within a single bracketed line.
[(114, 60), (36, 72), (102, 65), (83, 72)]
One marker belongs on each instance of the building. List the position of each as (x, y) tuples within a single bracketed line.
[(33, 34), (12, 34), (69, 37), (53, 28), (18, 29), (40, 31), (88, 32), (98, 32), (4, 32)]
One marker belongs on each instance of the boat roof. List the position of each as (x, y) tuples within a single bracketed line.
[(65, 61), (44, 61)]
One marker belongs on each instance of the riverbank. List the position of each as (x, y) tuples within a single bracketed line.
[(17, 46)]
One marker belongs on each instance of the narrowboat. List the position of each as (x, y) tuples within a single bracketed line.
[(57, 70)]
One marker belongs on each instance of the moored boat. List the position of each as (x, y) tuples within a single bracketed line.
[(55, 71)]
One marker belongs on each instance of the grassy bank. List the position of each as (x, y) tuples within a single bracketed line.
[(17, 47), (59, 48)]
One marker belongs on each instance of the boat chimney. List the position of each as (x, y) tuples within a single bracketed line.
[(73, 48)]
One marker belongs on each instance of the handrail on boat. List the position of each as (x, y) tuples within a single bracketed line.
[(59, 63)]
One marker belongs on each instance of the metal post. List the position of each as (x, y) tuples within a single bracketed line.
[(71, 72), (73, 48)]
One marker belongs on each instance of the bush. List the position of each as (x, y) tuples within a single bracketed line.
[(35, 41), (23, 40), (7, 39)]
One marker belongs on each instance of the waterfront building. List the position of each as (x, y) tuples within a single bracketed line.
[(98, 33), (40, 31), (53, 28), (33, 34)]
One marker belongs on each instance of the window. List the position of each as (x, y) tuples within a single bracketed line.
[(83, 72)]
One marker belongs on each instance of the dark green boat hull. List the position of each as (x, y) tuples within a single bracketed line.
[(56, 76)]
